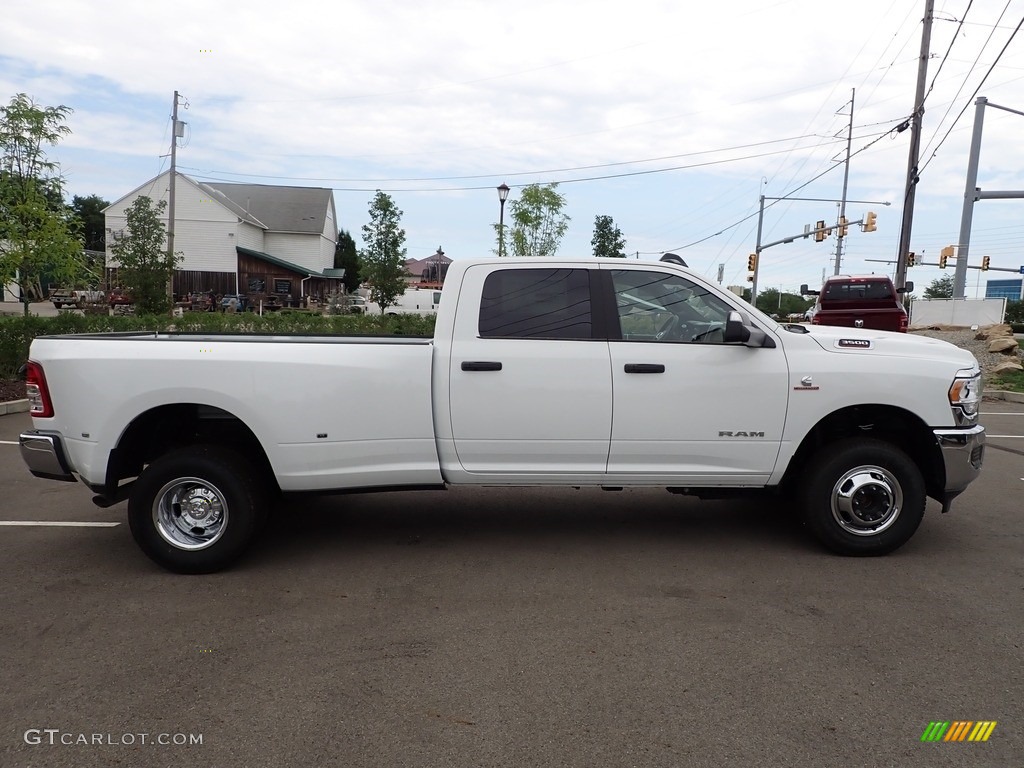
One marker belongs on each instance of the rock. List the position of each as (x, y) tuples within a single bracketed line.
[(1007, 366), (993, 332), (1006, 345)]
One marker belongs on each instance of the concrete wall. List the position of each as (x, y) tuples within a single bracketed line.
[(963, 312)]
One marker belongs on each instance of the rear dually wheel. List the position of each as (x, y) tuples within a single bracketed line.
[(195, 510)]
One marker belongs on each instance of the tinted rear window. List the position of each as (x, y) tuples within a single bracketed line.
[(876, 290), (536, 303)]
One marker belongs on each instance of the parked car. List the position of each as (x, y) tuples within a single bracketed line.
[(241, 302), (64, 297), (119, 297), (867, 301)]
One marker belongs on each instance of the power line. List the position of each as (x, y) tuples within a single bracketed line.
[(945, 56), (966, 78), (562, 181), (508, 175), (970, 100), (774, 202)]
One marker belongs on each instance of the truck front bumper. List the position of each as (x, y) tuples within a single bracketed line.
[(963, 451), (44, 454)]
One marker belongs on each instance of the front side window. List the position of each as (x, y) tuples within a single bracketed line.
[(658, 306), (537, 304)]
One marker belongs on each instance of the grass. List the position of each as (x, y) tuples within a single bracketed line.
[(1011, 381)]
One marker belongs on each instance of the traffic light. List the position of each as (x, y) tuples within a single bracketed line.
[(752, 262), (869, 222), (819, 231), (944, 255), (842, 226), (911, 259), (750, 278), (984, 263)]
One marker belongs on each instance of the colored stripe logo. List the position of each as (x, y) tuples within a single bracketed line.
[(958, 730)]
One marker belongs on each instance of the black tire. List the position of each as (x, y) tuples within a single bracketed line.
[(196, 509), (862, 496)]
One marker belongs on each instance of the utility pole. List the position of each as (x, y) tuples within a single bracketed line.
[(915, 147), (170, 202), (841, 230), (757, 255), (973, 193)]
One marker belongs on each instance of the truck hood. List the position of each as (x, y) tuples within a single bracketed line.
[(860, 341)]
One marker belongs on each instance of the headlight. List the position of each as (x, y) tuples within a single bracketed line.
[(965, 398)]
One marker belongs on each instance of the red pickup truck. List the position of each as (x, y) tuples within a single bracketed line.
[(869, 301)]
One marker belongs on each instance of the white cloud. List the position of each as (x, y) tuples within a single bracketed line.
[(401, 90)]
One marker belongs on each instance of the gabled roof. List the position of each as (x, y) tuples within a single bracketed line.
[(279, 209), (148, 188), (228, 203)]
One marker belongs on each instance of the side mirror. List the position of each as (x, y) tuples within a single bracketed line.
[(735, 330), (805, 291), (908, 287)]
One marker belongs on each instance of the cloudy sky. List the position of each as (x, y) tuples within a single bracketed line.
[(670, 117)]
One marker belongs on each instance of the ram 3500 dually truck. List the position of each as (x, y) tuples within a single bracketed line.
[(591, 372)]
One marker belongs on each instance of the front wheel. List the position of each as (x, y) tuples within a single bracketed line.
[(862, 497), (195, 510)]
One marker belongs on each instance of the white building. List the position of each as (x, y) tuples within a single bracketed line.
[(243, 238)]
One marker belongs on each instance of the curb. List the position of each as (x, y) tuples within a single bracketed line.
[(1000, 394), (14, 406)]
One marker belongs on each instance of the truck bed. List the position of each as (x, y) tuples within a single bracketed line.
[(356, 412)]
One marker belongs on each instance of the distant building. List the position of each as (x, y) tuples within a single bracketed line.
[(432, 269), (1011, 290), (253, 239)]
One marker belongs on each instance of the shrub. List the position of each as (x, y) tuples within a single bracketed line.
[(17, 332)]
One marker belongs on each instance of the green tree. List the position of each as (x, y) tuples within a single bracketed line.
[(143, 265), (346, 257), (772, 302), (538, 223), (36, 228), (607, 240), (940, 288), (89, 212), (1014, 312), (383, 258)]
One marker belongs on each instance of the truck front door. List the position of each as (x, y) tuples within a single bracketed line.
[(689, 409), (529, 380)]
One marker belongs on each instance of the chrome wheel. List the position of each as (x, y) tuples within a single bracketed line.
[(190, 513), (866, 500)]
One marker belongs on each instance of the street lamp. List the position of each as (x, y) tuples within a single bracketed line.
[(502, 196)]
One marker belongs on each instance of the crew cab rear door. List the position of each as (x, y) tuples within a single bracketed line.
[(529, 380), (688, 408)]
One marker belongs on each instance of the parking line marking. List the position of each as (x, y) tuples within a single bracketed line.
[(1004, 437), (8, 442), (56, 524)]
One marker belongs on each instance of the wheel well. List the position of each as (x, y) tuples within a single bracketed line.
[(882, 422), (168, 427)]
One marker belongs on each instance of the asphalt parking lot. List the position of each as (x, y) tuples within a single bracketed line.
[(514, 628)]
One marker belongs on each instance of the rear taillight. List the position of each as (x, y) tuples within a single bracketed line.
[(815, 320), (39, 404), (903, 323)]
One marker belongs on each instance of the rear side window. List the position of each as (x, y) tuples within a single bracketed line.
[(870, 290), (536, 304)]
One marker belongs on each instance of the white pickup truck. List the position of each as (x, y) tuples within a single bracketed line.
[(594, 372)]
